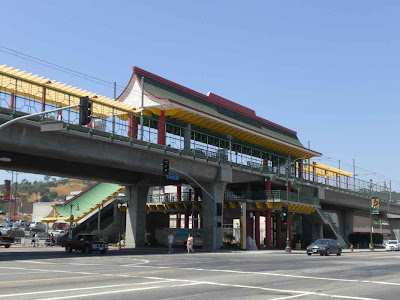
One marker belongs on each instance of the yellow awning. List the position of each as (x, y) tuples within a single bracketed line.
[(324, 170)]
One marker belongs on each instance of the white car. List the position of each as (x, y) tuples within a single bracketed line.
[(37, 225), (392, 245), (58, 232)]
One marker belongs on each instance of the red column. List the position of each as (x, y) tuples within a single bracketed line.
[(268, 185), (196, 220), (44, 99), (178, 220), (257, 228), (161, 128), (278, 230), (132, 127), (178, 193), (12, 101), (290, 228), (187, 220), (59, 115), (248, 224), (313, 174), (268, 229)]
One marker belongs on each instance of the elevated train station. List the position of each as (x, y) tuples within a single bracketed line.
[(252, 167)]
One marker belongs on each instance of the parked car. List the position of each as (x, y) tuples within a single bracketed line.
[(6, 241), (85, 243), (392, 245), (325, 247), (58, 232), (2, 212), (37, 225)]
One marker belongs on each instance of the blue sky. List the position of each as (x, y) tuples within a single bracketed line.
[(327, 69)]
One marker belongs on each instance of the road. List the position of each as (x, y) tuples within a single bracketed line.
[(52, 274)]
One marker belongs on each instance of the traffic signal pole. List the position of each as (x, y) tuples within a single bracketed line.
[(37, 114)]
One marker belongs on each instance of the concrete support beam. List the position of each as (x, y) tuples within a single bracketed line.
[(321, 230), (135, 216), (217, 190), (346, 222)]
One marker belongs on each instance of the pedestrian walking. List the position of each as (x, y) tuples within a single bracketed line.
[(170, 243), (189, 244), (36, 238), (351, 247)]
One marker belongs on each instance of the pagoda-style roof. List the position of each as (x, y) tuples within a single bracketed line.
[(211, 112)]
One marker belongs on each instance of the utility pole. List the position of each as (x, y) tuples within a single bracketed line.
[(370, 215)]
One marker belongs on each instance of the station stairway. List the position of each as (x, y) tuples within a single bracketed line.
[(328, 221)]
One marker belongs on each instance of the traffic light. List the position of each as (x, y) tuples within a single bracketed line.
[(219, 209), (165, 167), (85, 111), (284, 213)]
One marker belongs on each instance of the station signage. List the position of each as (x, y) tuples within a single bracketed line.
[(7, 190), (375, 206)]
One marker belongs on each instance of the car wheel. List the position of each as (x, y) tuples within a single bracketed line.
[(68, 249), (88, 249), (7, 246), (103, 251), (328, 252), (339, 252), (308, 253), (321, 254)]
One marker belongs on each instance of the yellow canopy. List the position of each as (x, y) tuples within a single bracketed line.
[(324, 170)]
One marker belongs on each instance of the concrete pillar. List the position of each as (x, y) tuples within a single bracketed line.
[(195, 220), (346, 222), (217, 190), (187, 136), (278, 230), (268, 229), (162, 134), (135, 216), (257, 228), (321, 230)]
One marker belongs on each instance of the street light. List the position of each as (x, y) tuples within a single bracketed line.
[(370, 211), (288, 247)]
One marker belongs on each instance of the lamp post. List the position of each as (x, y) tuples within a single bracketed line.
[(288, 247), (371, 247)]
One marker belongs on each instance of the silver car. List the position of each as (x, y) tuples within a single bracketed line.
[(325, 247)]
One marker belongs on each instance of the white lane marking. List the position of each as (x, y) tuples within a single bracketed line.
[(278, 275), (85, 288), (21, 273), (140, 262), (287, 291), (44, 270), (290, 297), (122, 291)]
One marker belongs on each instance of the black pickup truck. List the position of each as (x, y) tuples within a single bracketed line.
[(85, 243), (6, 241)]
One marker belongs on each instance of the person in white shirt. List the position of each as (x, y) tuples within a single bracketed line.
[(189, 244), (170, 242)]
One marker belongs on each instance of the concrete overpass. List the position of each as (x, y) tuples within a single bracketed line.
[(110, 148)]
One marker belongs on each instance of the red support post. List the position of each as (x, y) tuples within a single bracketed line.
[(248, 224), (186, 220), (326, 178), (178, 220), (313, 174), (268, 229), (278, 230), (161, 128), (59, 115), (132, 127), (178, 193), (257, 228), (12, 101)]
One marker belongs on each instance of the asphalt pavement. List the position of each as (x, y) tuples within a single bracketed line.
[(50, 273)]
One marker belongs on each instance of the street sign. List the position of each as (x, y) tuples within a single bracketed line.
[(375, 206), (172, 177)]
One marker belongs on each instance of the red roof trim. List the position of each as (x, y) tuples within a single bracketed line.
[(212, 98), (76, 196)]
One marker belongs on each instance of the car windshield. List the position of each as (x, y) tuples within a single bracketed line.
[(321, 242), (392, 242)]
